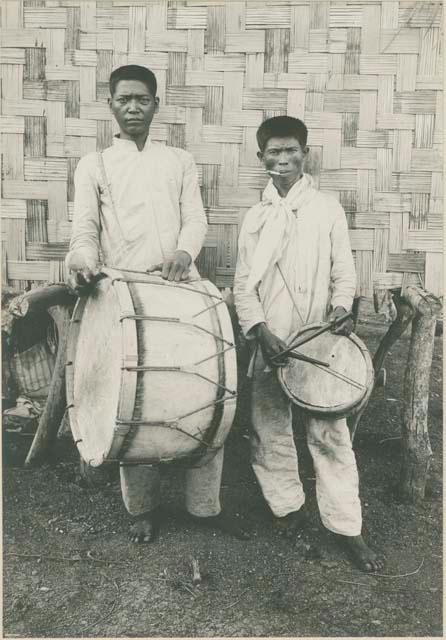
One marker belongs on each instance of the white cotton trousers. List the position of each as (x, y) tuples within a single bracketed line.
[(140, 487), (275, 462)]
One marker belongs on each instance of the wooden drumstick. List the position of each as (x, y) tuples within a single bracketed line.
[(196, 575), (301, 356), (316, 333)]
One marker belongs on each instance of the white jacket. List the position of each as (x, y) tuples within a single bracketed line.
[(316, 261), (157, 200)]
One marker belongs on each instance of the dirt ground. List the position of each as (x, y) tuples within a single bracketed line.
[(69, 569)]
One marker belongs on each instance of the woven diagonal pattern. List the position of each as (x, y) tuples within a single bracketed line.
[(365, 76)]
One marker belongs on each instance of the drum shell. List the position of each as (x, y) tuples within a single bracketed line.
[(313, 389), (147, 422)]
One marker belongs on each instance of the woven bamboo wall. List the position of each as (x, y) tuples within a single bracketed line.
[(365, 75)]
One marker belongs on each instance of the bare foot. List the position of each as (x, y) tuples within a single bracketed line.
[(145, 528), (291, 524), (364, 558), (224, 522)]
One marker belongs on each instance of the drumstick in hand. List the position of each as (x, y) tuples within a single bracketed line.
[(301, 356), (321, 330)]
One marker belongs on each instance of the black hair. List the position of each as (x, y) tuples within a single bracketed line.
[(281, 127), (133, 72)]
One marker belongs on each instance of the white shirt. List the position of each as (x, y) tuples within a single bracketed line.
[(157, 201), (316, 262)]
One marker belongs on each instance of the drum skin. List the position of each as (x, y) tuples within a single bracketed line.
[(337, 391), (151, 373)]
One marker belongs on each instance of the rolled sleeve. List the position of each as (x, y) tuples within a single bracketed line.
[(247, 303), (85, 237), (193, 218), (343, 275)]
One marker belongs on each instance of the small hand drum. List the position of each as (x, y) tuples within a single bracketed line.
[(340, 388)]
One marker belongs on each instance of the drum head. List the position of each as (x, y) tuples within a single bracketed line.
[(334, 390), (96, 375)]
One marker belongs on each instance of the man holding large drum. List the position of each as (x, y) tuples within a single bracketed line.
[(295, 267), (138, 207)]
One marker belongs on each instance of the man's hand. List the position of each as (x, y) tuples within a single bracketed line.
[(176, 268), (346, 327), (271, 346), (82, 273)]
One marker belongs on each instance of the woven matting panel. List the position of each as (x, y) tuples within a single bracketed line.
[(364, 75)]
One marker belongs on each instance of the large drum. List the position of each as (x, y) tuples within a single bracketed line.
[(339, 387), (151, 371)]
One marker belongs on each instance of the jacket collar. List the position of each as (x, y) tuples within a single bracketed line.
[(129, 145)]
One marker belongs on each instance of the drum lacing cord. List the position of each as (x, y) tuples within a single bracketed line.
[(166, 283), (173, 424), (175, 367), (185, 369), (212, 306), (167, 425), (141, 317), (215, 355), (162, 282)]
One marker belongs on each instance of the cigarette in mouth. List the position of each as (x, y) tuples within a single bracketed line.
[(274, 173)]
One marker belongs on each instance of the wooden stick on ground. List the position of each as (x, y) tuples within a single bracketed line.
[(196, 575)]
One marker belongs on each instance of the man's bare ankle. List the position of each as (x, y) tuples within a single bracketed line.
[(145, 527), (291, 519), (147, 515), (362, 555)]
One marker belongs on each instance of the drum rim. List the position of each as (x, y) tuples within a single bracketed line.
[(126, 393), (128, 383), (229, 359), (341, 410), (73, 335)]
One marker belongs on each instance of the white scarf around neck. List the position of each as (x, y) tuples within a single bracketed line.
[(273, 222)]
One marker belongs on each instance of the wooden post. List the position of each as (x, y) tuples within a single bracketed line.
[(355, 310), (55, 406), (42, 298), (417, 451), (405, 314)]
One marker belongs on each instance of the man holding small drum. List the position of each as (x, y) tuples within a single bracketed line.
[(295, 267)]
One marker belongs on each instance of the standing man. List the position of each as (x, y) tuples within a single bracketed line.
[(138, 206), (295, 267)]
